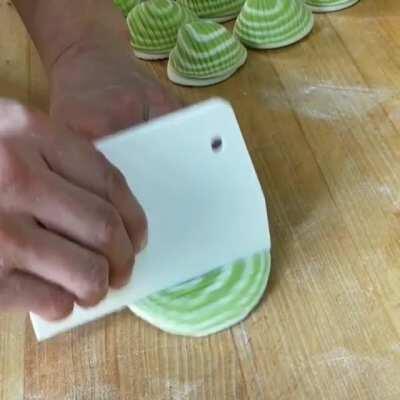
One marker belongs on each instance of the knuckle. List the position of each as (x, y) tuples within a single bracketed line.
[(139, 231), (110, 226), (59, 306), (120, 278), (96, 280), (141, 225), (99, 274), (115, 180), (130, 258)]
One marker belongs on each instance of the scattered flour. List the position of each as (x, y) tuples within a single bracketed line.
[(182, 391), (311, 100), (355, 370)]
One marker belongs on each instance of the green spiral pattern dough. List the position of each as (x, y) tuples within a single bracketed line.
[(330, 5), (217, 10), (205, 53), (268, 24), (211, 303), (154, 26), (127, 5)]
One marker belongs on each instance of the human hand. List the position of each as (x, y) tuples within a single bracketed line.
[(69, 225), (98, 88)]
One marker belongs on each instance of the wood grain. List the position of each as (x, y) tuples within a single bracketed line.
[(322, 121)]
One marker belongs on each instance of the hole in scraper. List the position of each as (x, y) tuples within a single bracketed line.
[(216, 144)]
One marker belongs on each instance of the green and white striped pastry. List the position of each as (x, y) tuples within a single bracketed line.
[(205, 53), (154, 26), (127, 5), (330, 5), (211, 303), (216, 10), (268, 24)]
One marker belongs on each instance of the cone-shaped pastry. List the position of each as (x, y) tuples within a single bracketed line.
[(206, 53), (217, 10), (330, 5), (211, 303), (127, 5), (268, 24), (154, 26)]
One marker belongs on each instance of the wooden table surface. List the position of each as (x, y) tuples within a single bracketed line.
[(322, 121)]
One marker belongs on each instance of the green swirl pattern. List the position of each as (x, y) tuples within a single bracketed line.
[(154, 26), (206, 50), (330, 5), (267, 24), (211, 303), (219, 10), (126, 5)]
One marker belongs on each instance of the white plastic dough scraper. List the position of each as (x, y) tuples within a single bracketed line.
[(193, 175)]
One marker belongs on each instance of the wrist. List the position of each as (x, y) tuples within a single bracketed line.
[(85, 45), (60, 27)]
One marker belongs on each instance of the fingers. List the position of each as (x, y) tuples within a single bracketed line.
[(79, 162), (24, 292), (31, 249), (76, 269), (87, 219), (133, 215)]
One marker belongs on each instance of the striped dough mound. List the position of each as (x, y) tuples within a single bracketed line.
[(211, 303), (126, 5), (268, 24), (154, 26), (330, 5), (217, 10), (205, 53)]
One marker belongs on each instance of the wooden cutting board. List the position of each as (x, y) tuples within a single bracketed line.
[(322, 122)]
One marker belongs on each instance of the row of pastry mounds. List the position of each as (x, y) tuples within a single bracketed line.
[(203, 52), (224, 10)]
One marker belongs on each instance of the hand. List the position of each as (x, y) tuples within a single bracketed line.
[(69, 225), (98, 88)]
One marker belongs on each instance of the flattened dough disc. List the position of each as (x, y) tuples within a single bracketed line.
[(210, 303)]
